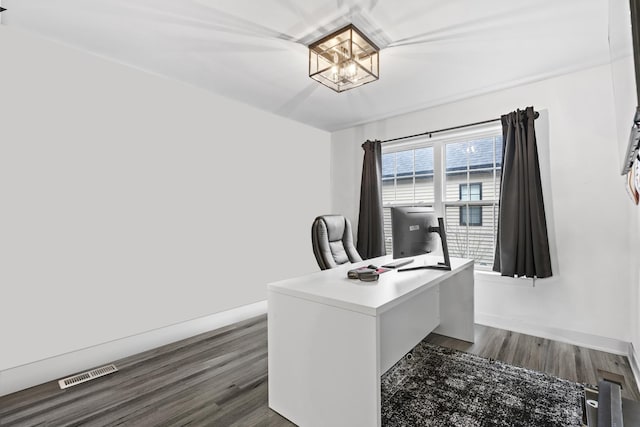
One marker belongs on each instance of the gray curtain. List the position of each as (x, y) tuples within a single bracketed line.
[(522, 247), (370, 222)]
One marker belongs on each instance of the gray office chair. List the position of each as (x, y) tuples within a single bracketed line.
[(332, 241)]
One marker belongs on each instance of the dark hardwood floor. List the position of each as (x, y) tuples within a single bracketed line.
[(220, 379)]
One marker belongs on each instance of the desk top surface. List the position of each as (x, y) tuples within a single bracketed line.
[(332, 287)]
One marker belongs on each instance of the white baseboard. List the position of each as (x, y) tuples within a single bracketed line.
[(595, 342), (31, 374)]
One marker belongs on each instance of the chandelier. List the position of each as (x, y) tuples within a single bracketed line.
[(344, 59)]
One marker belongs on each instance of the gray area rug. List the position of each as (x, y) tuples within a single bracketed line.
[(436, 386)]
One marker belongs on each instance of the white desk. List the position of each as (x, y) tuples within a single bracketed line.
[(331, 338)]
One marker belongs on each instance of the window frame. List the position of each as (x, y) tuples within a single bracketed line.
[(439, 173), (468, 208), (472, 209), (468, 185), (395, 178)]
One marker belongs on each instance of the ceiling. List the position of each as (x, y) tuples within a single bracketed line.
[(254, 51)]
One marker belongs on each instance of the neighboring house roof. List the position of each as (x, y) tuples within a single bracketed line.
[(478, 153), (402, 162)]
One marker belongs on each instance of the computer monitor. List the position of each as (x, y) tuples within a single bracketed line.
[(415, 231)]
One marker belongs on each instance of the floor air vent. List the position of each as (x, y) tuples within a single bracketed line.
[(87, 376)]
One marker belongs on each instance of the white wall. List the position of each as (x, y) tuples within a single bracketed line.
[(622, 70), (625, 103), (587, 210), (132, 202)]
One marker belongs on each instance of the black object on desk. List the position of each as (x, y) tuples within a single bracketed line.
[(366, 274), (412, 225), (370, 273)]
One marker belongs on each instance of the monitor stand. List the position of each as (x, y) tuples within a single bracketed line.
[(441, 266)]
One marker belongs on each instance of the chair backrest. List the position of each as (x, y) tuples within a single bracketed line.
[(332, 241)]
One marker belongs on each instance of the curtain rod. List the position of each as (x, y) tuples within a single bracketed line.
[(536, 115)]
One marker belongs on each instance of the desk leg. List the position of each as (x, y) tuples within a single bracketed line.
[(323, 364), (457, 306)]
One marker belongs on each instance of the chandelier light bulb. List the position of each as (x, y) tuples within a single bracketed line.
[(351, 70)]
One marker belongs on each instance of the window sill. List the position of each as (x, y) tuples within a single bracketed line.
[(488, 276), (488, 273)]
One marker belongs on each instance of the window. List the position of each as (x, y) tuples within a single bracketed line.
[(471, 215), (407, 180), (457, 175), (471, 191)]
